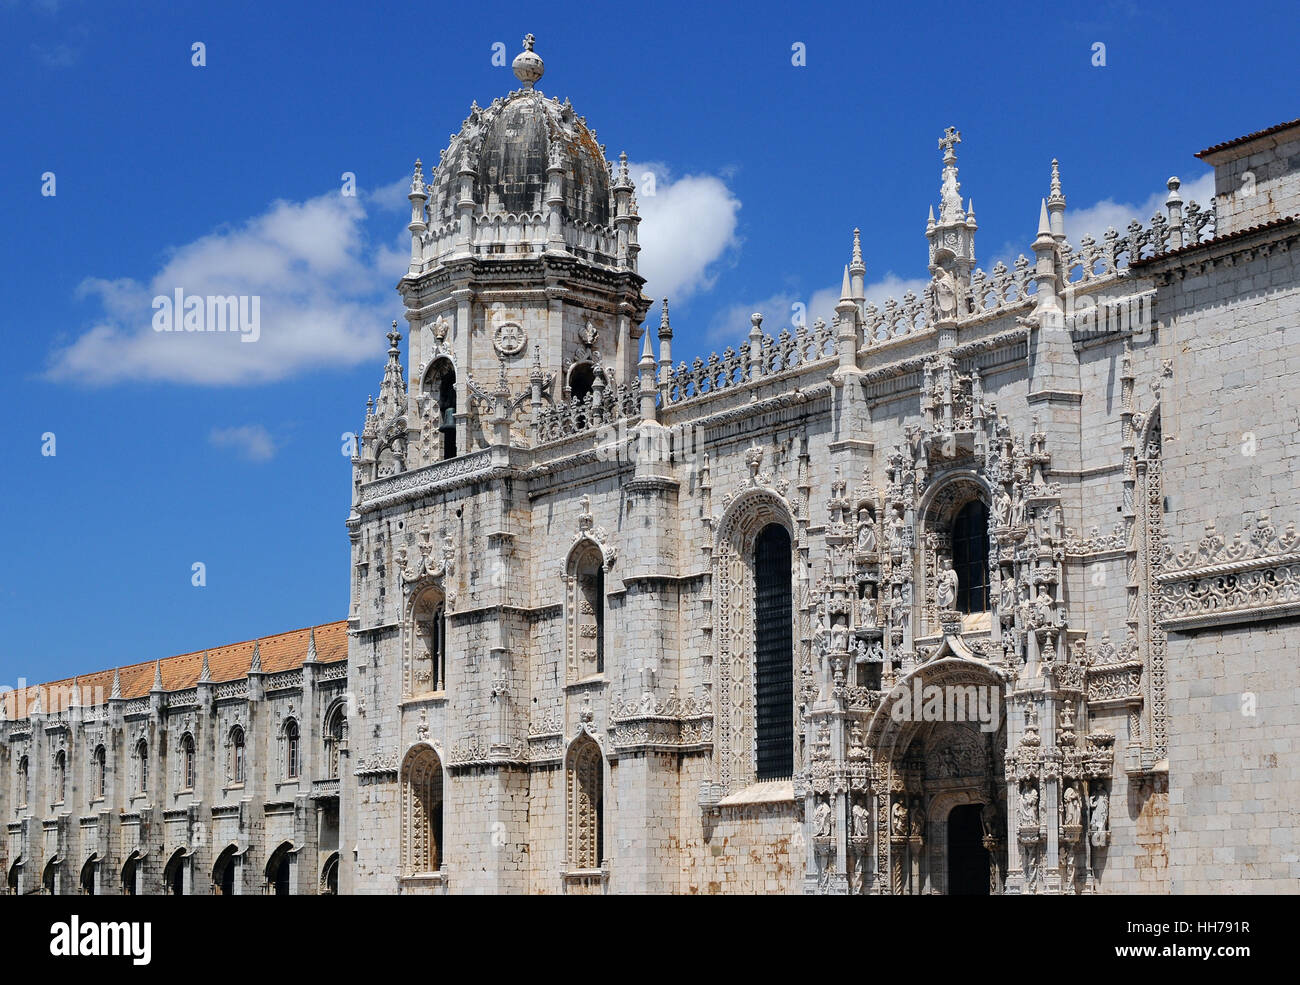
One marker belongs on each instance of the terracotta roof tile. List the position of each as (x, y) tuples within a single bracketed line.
[(1268, 131), (283, 651)]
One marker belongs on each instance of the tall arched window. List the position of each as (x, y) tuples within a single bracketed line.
[(582, 377), (584, 794), (237, 755), (335, 723), (142, 766), (100, 771), (587, 616), (970, 556), (421, 812), (292, 749), (774, 653), (429, 645), (187, 762), (23, 785), (60, 776), (447, 413)]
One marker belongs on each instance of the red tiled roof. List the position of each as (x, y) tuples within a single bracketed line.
[(1248, 137), (283, 651)]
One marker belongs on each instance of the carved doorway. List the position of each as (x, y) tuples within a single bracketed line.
[(968, 859)]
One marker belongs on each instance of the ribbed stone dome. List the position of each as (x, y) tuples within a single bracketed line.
[(508, 145)]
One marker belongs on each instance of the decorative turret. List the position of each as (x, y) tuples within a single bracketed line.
[(1056, 204), (952, 237), (419, 196), (665, 348), (858, 269)]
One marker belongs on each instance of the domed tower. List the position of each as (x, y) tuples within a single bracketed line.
[(523, 265)]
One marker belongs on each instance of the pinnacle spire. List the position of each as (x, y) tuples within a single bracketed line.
[(311, 637), (157, 676), (646, 351), (255, 665), (116, 692), (846, 291), (665, 327), (205, 675), (1044, 223), (857, 262)]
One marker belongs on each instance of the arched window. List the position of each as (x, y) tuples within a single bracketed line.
[(223, 872), (100, 772), (60, 776), (278, 870), (970, 556), (581, 379), (23, 785), (587, 616), (421, 812), (237, 755), (447, 413), (142, 766), (440, 383), (129, 871), (774, 653), (291, 749), (187, 762), (335, 726), (88, 877), (584, 794), (429, 643), (174, 874)]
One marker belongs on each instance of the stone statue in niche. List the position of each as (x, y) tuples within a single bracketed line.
[(917, 819), (866, 533), (822, 820), (1002, 508), (946, 590), (1098, 815), (896, 531), (1043, 607), (989, 819), (1071, 806), (1029, 807), (899, 819), (1018, 509), (861, 821)]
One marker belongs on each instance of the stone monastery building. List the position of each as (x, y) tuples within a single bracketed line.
[(989, 590)]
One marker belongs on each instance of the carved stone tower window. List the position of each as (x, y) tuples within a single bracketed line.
[(440, 397), (584, 780), (60, 776), (970, 556), (23, 786), (429, 643), (421, 812), (587, 612), (100, 772), (335, 727), (237, 755), (187, 762), (142, 766), (774, 654), (292, 750)]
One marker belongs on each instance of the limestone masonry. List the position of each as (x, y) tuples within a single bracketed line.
[(989, 590)]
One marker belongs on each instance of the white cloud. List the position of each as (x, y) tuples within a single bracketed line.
[(252, 441), (1096, 219), (688, 225), (323, 297)]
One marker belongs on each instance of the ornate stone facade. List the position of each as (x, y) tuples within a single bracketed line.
[(563, 669)]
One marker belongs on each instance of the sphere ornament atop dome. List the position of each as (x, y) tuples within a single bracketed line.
[(528, 66)]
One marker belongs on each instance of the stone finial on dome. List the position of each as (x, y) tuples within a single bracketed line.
[(528, 66)]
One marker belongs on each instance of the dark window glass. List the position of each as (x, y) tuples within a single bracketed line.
[(970, 557), (774, 653)]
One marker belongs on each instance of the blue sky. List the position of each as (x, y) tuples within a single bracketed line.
[(227, 176)]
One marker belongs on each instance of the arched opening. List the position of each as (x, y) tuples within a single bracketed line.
[(278, 870), (223, 872), (100, 771), (292, 750), (142, 766), (774, 653), (582, 377), (187, 762), (587, 575), (970, 556), (129, 873), (440, 382), (60, 776), (23, 785), (48, 878), (585, 781), (429, 659), (421, 812), (329, 880), (237, 755), (968, 859), (335, 725), (174, 874), (11, 883), (88, 876)]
